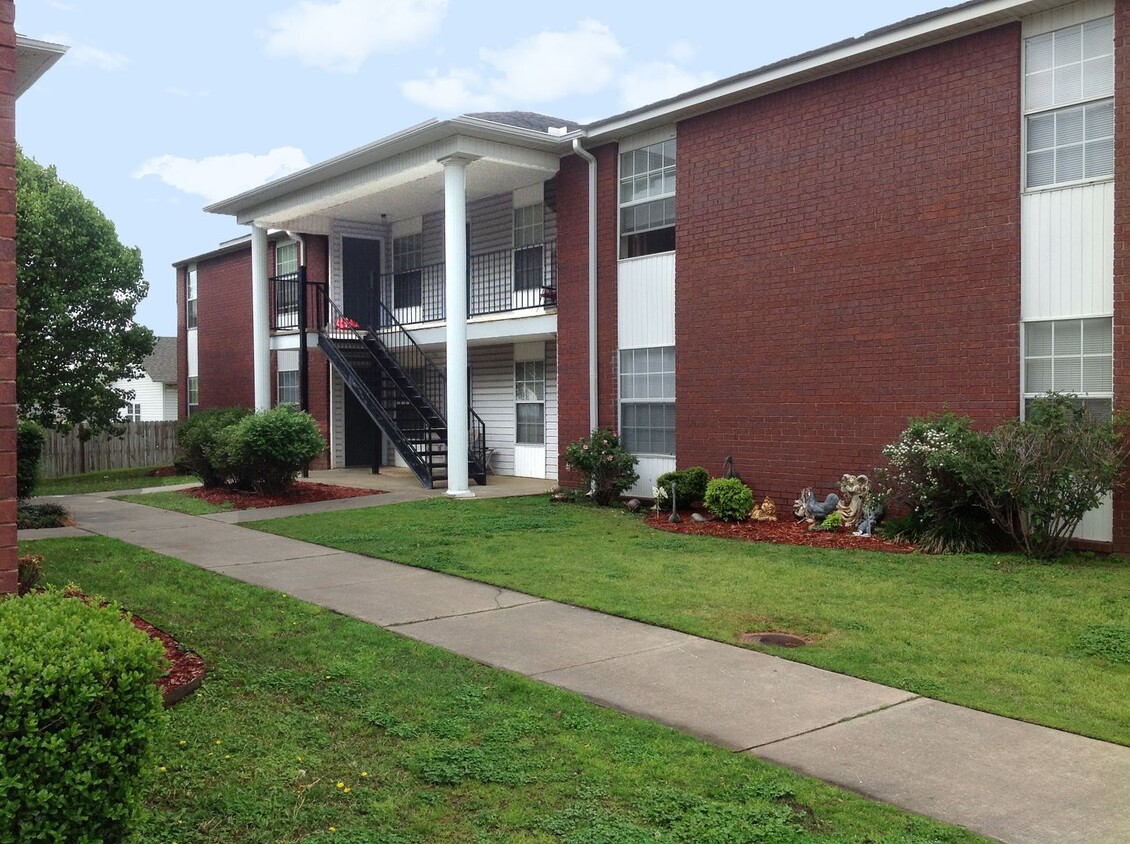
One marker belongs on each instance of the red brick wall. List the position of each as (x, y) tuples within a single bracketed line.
[(848, 256), (223, 318), (1122, 251), (8, 580), (573, 296)]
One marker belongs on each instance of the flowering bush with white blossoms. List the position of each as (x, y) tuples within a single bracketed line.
[(607, 467), (928, 477)]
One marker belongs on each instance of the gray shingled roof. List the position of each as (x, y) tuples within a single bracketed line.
[(526, 120), (161, 366)]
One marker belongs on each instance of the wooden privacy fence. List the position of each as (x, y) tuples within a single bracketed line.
[(141, 444)]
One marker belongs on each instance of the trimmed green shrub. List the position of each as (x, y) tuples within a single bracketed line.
[(729, 499), (30, 440), (690, 485), (266, 451), (1039, 476), (79, 713), (196, 438), (607, 467)]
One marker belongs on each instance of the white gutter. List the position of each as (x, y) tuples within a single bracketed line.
[(594, 397)]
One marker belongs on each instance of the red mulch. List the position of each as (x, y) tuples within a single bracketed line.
[(302, 492), (784, 532), (186, 668)]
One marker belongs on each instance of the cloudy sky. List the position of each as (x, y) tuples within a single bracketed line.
[(160, 109)]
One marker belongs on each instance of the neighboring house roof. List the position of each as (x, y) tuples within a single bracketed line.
[(33, 59), (161, 366), (527, 120)]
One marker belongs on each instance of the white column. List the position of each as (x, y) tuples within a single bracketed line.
[(260, 318), (455, 256)]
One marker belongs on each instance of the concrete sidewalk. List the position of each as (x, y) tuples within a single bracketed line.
[(1001, 778)]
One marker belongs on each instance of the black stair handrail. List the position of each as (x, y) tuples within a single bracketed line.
[(398, 340), (341, 329), (429, 410)]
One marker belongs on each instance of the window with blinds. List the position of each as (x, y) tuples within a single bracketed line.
[(1069, 104), (1071, 356)]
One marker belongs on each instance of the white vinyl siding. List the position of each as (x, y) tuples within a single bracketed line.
[(1069, 105), (1067, 252)]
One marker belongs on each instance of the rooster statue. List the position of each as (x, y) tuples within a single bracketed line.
[(807, 508)]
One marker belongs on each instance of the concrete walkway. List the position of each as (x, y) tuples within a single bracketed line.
[(1001, 778)]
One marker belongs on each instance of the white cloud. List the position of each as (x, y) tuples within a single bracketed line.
[(85, 55), (220, 176), (681, 52), (654, 81), (339, 36), (458, 91), (542, 68)]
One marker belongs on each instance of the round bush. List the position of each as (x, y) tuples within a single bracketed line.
[(196, 437), (690, 485), (79, 712), (607, 468), (728, 499), (266, 451)]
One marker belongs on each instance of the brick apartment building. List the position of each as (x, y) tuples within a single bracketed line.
[(22, 62), (782, 266)]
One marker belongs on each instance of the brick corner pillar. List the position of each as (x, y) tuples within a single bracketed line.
[(8, 556)]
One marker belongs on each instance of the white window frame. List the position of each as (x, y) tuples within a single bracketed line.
[(1101, 399), (529, 391), (193, 394), (132, 411), (529, 247), (287, 388), (190, 294), (1061, 104), (407, 266), (653, 388), (286, 297), (641, 186)]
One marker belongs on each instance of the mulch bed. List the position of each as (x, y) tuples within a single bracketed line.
[(302, 492), (784, 532), (186, 668)]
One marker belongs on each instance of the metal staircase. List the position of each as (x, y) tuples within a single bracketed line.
[(402, 390)]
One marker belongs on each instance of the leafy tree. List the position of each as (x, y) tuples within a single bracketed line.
[(77, 291)]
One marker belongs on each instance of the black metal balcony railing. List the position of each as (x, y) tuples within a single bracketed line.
[(284, 292), (506, 280), (502, 281)]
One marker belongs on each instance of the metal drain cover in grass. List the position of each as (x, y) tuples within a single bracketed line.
[(781, 640)]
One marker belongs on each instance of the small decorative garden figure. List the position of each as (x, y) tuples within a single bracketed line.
[(675, 518), (807, 508), (766, 511), (660, 495), (856, 489)]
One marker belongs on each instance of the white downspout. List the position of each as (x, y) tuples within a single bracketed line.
[(594, 396)]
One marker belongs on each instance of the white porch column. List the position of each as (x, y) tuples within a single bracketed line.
[(260, 318), (455, 255)]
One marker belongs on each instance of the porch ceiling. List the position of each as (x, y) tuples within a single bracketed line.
[(403, 185)]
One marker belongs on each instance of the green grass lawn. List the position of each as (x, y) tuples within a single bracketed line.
[(314, 727), (176, 501), (1043, 642), (106, 480)]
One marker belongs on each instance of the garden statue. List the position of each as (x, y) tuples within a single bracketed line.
[(856, 490), (807, 508), (766, 511)]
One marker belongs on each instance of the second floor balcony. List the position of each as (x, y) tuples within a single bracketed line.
[(500, 282)]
